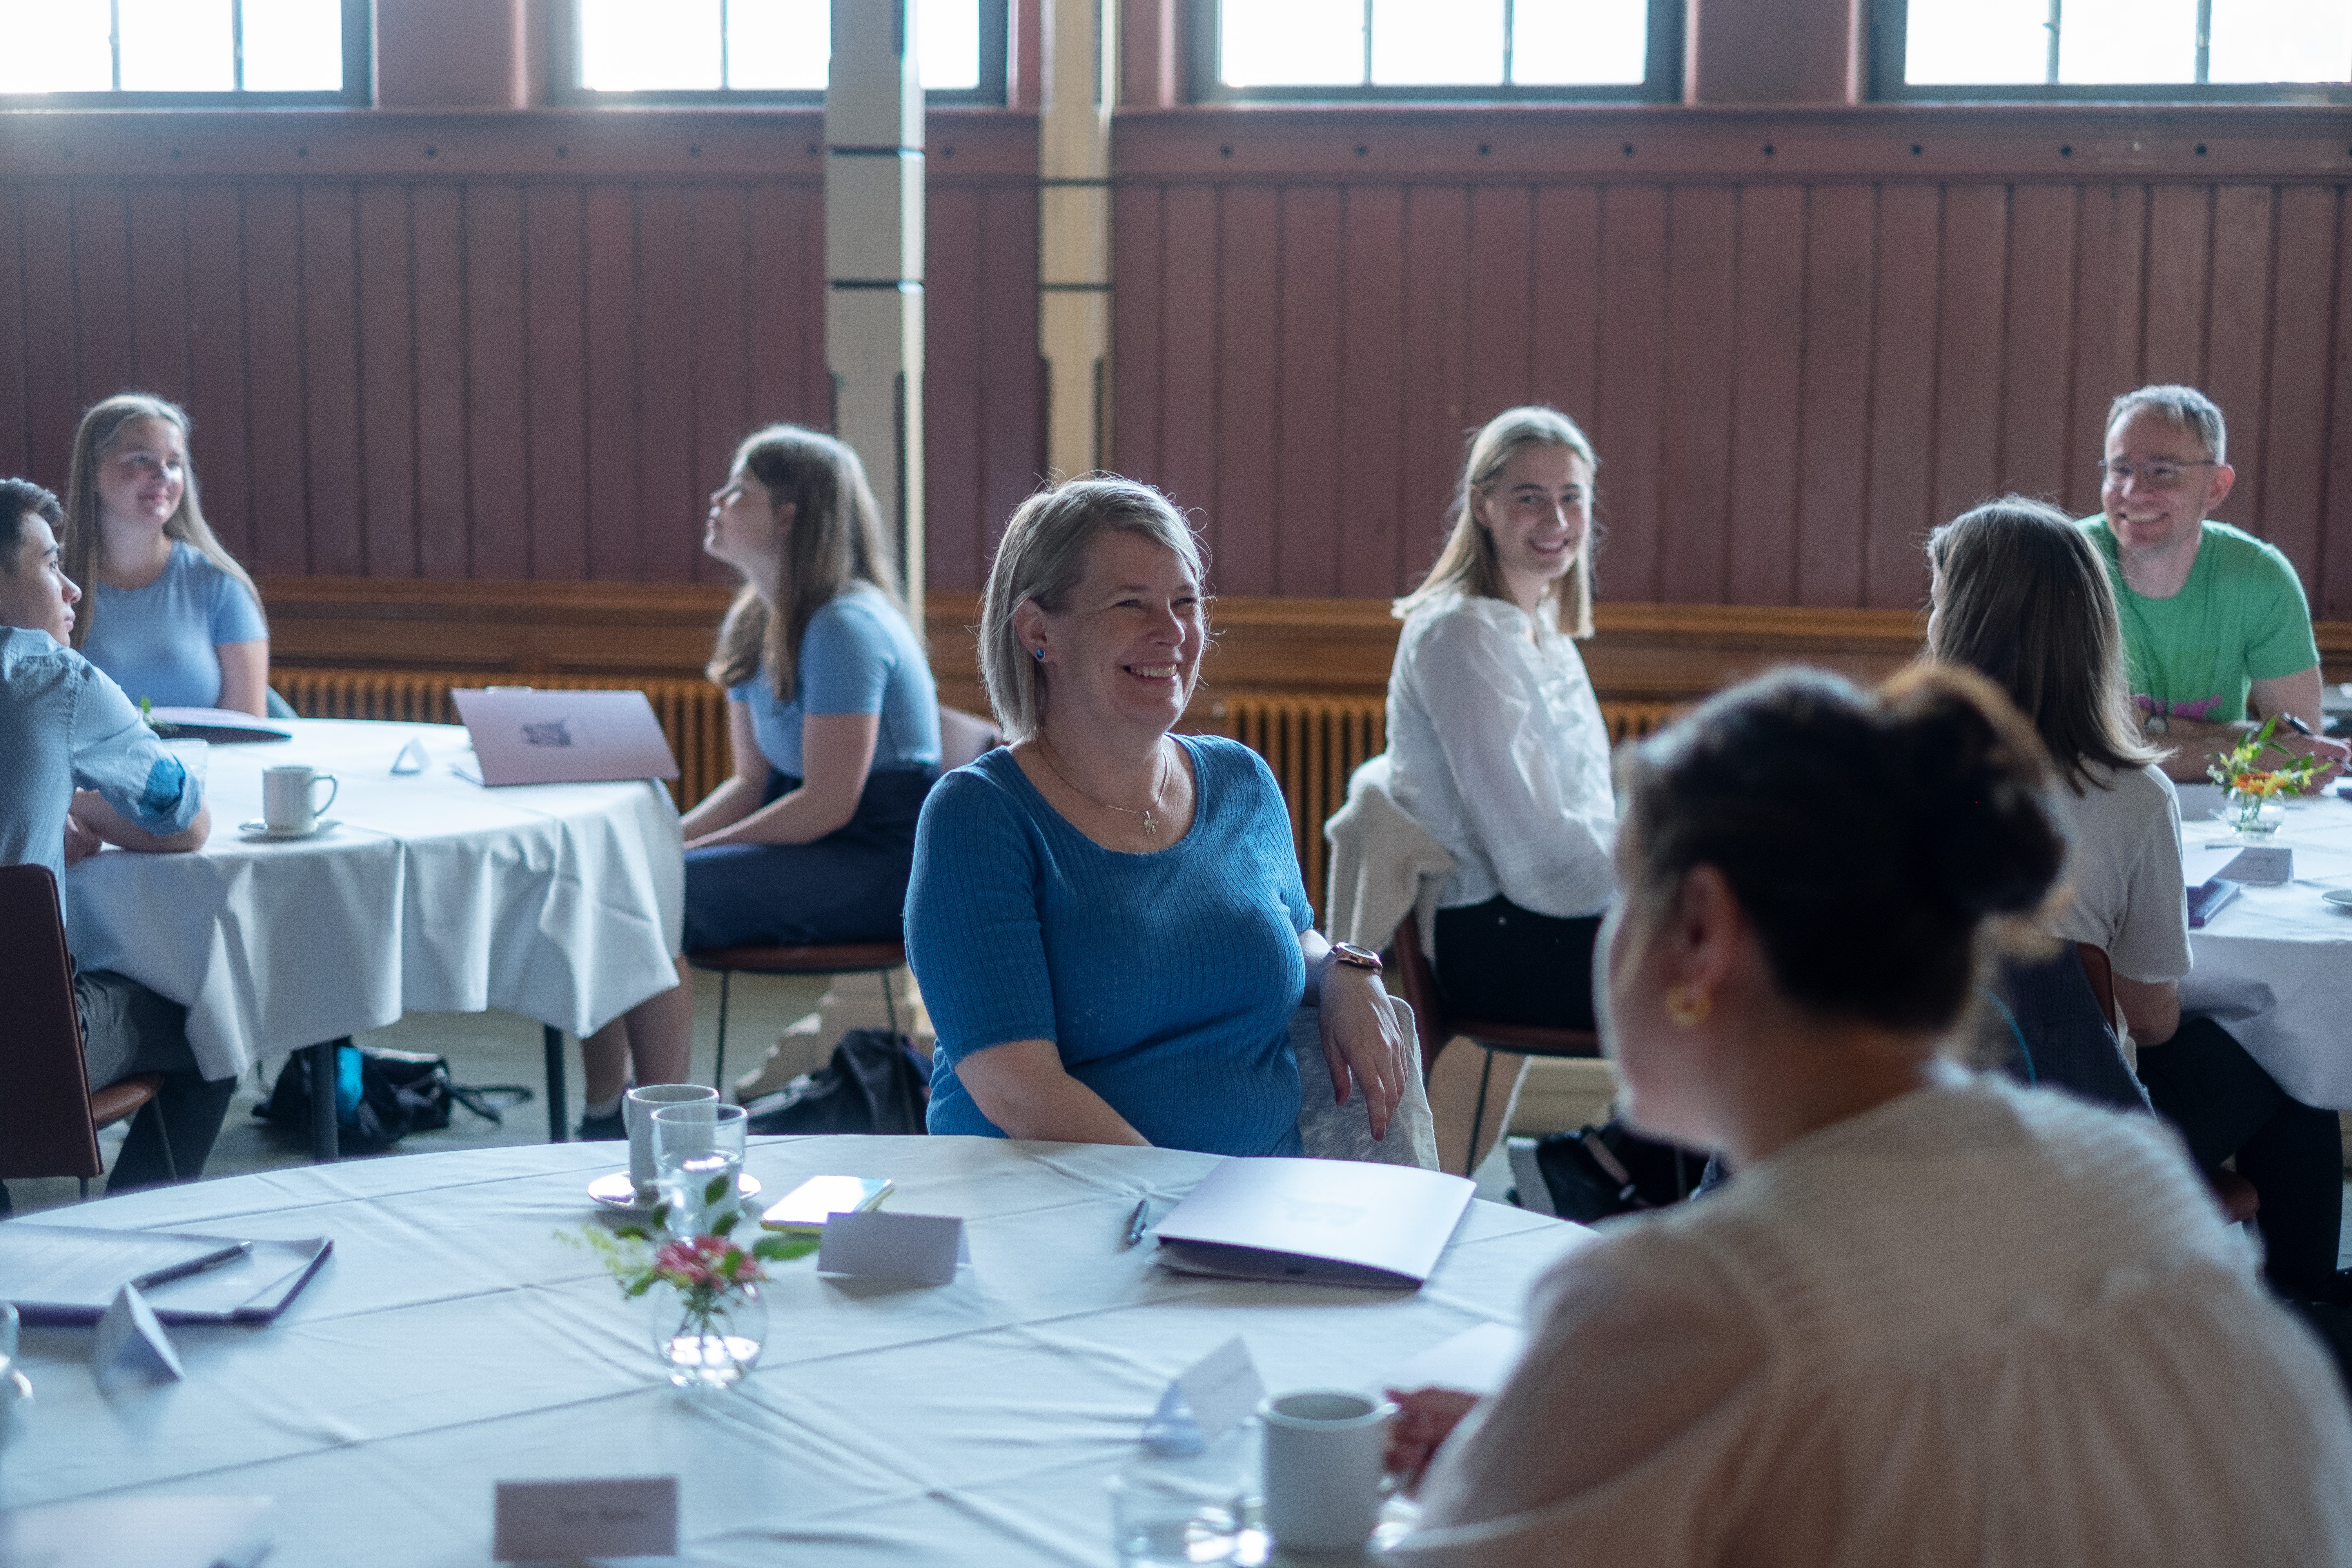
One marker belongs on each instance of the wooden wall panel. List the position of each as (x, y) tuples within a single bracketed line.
[(1311, 525), (16, 440)]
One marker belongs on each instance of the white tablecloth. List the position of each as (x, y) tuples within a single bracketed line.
[(452, 1340), (2275, 966), (562, 902)]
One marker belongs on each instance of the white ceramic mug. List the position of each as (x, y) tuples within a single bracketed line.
[(1325, 1466), (638, 1107), (286, 791)]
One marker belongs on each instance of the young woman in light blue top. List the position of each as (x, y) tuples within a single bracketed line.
[(1107, 919), (170, 616), (835, 723)]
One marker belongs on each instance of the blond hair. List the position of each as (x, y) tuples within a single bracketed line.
[(100, 429), (837, 540), (1468, 564), (1042, 556)]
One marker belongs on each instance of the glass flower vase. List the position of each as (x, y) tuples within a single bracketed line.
[(2251, 816), (707, 1338)]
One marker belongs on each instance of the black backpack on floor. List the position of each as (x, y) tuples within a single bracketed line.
[(875, 1083), (399, 1092)]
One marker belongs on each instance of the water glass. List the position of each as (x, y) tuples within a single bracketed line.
[(1175, 1514), (699, 1150), (638, 1107)]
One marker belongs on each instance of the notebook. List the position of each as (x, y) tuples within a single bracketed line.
[(1323, 1221), (221, 726), (67, 1273), (523, 736)]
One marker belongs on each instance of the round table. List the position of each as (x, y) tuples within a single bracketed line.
[(561, 903), (2274, 967), (453, 1339)]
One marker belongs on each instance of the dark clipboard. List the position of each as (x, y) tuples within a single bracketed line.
[(274, 1271)]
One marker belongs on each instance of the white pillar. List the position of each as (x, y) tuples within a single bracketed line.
[(1073, 279), (874, 261)]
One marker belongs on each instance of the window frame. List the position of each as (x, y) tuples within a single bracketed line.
[(358, 89), (1664, 84), (1889, 39), (564, 76)]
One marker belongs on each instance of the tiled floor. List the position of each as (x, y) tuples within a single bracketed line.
[(482, 1048)]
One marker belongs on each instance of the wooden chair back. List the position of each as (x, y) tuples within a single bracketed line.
[(46, 1128)]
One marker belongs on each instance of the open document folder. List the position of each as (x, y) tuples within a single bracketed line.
[(69, 1274), (1324, 1222)]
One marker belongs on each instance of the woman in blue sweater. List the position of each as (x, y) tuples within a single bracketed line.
[(1106, 918)]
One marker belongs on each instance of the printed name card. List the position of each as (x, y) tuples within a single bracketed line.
[(131, 1343), (880, 1245), (413, 759), (2267, 867), (630, 1516), (1206, 1401)]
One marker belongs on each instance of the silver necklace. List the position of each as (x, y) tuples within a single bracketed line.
[(1045, 750)]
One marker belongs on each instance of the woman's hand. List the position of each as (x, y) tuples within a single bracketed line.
[(1361, 1035), (1426, 1418)]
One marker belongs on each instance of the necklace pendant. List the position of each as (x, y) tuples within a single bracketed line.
[(1149, 825)]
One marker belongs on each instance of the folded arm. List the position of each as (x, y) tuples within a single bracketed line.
[(1023, 1088), (836, 754), (92, 812)]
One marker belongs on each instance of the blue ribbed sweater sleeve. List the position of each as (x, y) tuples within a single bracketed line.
[(1164, 980)]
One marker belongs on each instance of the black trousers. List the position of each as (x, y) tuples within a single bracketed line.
[(2204, 1083), (849, 885), (1503, 964)]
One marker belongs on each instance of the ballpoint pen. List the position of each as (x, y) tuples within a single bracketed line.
[(1135, 1222)]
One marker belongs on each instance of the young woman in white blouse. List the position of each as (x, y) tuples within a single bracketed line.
[(2020, 593), (1496, 740), (1937, 1319)]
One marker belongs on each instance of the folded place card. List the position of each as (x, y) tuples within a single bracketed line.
[(413, 759), (1206, 1401), (2268, 866), (628, 1516), (882, 1245), (131, 1343)]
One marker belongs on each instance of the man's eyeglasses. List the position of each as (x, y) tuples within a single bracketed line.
[(2156, 476)]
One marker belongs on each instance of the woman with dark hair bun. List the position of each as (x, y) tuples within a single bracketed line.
[(2020, 593), (1940, 1318)]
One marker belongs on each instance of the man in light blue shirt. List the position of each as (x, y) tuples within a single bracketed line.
[(78, 770)]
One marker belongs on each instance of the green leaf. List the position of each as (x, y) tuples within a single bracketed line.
[(639, 1286), (782, 1248), (660, 1216), (630, 1233), (724, 1223), (717, 1189)]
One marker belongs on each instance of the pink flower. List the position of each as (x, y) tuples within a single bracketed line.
[(704, 1261)]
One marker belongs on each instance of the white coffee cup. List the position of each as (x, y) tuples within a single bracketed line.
[(638, 1107), (286, 802), (1325, 1462)]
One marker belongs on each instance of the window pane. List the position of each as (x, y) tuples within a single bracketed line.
[(949, 37), (1976, 43), (55, 46), (176, 46), (2281, 40), (1291, 43), (1437, 42), (2127, 41), (629, 46), (1579, 42), (293, 46), (778, 44)]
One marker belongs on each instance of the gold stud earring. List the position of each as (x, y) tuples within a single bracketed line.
[(1688, 1006)]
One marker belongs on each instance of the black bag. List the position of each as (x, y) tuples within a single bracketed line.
[(1596, 1172), (875, 1083), (398, 1093)]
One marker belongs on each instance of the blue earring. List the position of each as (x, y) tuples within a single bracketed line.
[(1039, 654)]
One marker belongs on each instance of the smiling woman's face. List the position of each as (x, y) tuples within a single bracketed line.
[(144, 475), (1538, 510), (1125, 651)]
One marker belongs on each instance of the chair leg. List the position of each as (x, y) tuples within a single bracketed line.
[(326, 1137), (1478, 1116), (84, 1189), (558, 1123), (719, 1072), (153, 1109), (890, 1001)]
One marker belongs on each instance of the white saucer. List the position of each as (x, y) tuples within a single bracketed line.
[(616, 1191), (2339, 896), (258, 828)]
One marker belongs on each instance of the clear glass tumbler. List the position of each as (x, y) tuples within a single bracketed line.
[(1175, 1513), (698, 1162)]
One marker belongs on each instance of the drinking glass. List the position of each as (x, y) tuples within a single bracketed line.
[(1175, 1514), (698, 1152)]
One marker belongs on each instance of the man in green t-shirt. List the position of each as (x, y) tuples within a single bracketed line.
[(2211, 615)]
